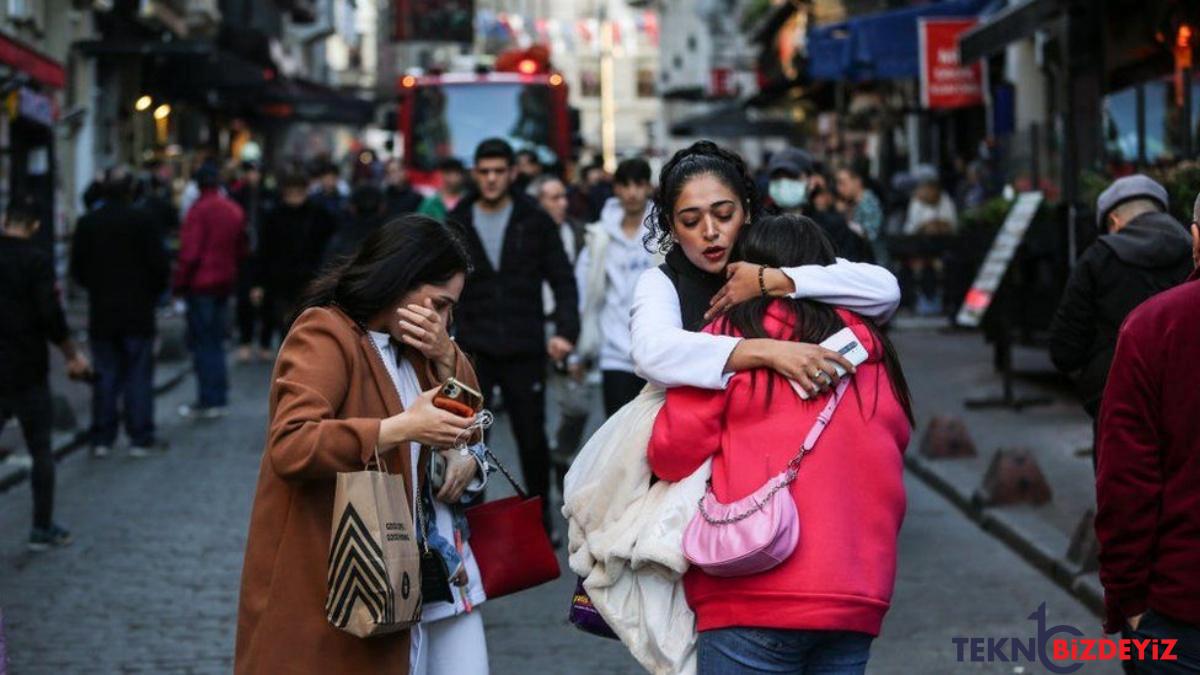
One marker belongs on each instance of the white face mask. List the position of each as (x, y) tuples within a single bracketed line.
[(788, 193)]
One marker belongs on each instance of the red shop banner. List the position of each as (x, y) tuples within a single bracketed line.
[(945, 82)]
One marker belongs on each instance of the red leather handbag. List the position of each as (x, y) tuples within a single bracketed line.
[(511, 546)]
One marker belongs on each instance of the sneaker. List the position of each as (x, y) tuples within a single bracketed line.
[(19, 461), (54, 536), (197, 412), (139, 451), (100, 451), (214, 412)]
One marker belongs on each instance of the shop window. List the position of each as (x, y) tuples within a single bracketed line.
[(1165, 120)]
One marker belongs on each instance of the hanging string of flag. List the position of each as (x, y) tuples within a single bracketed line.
[(629, 33)]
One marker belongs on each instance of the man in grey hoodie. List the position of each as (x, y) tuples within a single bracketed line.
[(606, 273), (1144, 251)]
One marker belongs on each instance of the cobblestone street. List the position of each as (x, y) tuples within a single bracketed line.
[(150, 584)]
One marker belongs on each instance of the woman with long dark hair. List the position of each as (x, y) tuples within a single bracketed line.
[(356, 375), (706, 200), (821, 607)]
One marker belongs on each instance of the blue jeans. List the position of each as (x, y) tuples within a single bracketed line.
[(124, 374), (206, 337), (738, 651), (1187, 648)]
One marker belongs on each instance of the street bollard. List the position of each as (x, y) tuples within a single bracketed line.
[(946, 437), (1084, 550), (1013, 477)]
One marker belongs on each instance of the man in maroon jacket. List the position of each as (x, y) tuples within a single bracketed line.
[(212, 245), (1148, 475)]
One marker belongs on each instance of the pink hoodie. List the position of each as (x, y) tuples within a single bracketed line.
[(849, 492)]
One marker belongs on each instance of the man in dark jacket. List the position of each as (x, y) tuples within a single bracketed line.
[(291, 248), (366, 215), (1144, 252), (514, 248), (117, 256), (400, 197), (795, 180), (31, 316), (212, 245), (1148, 504), (255, 200)]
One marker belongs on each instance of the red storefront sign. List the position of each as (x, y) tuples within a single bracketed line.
[(945, 82), (27, 60)]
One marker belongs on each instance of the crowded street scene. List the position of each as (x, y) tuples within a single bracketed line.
[(713, 337)]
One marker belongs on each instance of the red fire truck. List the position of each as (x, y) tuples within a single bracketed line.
[(447, 115)]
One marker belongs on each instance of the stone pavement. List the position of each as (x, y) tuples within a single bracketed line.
[(944, 369), (151, 583)]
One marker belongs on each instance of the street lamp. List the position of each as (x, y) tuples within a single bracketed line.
[(162, 112), (143, 103)]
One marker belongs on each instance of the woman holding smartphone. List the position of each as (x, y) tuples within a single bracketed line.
[(358, 372)]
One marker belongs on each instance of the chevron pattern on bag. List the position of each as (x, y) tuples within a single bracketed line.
[(357, 574)]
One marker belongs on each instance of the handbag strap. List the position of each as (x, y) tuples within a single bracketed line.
[(521, 492), (793, 466)]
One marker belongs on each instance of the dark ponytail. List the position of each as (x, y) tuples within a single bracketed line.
[(700, 158)]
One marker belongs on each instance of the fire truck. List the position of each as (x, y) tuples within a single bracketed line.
[(446, 115)]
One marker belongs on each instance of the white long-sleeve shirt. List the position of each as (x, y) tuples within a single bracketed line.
[(666, 354)]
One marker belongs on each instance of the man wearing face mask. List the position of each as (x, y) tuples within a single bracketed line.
[(794, 181)]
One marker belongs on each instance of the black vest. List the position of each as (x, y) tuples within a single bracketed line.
[(695, 287)]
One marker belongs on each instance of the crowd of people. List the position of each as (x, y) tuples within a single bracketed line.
[(696, 299)]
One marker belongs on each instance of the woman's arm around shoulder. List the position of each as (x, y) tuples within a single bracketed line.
[(305, 439), (867, 289), (663, 352)]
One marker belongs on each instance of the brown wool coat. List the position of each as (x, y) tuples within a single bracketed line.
[(329, 392)]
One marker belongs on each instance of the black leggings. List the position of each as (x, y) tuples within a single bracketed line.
[(33, 412)]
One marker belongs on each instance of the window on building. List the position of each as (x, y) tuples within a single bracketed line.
[(645, 82), (1167, 127), (691, 43), (677, 62)]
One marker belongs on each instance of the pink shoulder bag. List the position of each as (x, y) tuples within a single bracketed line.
[(759, 531)]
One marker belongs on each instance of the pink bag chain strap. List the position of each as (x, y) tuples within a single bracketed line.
[(793, 467)]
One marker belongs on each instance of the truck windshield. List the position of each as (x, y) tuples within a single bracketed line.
[(449, 120)]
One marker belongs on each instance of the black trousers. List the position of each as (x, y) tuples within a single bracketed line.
[(33, 412), (522, 381), (250, 318), (620, 387)]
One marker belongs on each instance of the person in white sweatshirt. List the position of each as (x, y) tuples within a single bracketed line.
[(613, 258)]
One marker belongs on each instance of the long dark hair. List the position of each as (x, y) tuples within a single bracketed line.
[(791, 240), (395, 258), (700, 158)]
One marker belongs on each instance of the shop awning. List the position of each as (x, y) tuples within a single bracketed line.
[(33, 63), (732, 121), (1016, 22), (298, 100), (882, 46)]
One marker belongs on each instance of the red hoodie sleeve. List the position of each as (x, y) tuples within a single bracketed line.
[(1128, 475), (189, 251), (687, 431)]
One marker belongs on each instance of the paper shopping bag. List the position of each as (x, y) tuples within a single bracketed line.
[(374, 564)]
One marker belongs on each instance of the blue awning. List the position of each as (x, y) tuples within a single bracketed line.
[(881, 46)]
